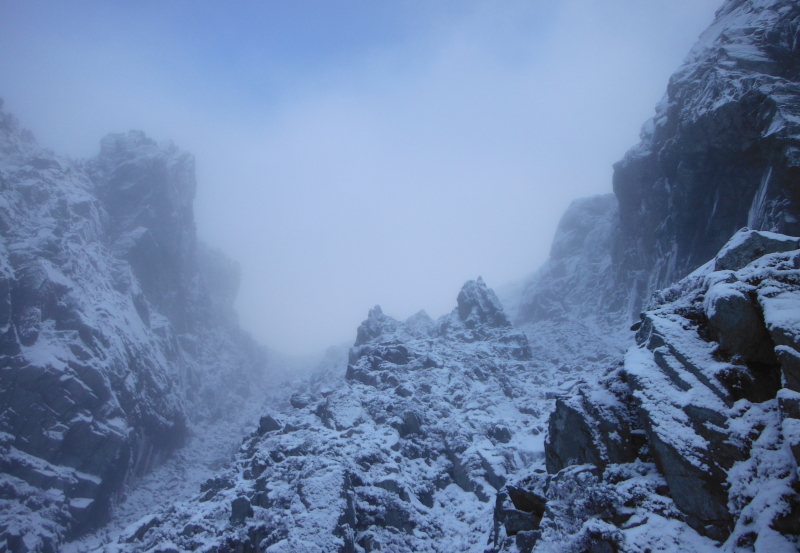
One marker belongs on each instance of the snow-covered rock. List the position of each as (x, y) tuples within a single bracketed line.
[(722, 152), (430, 436), (405, 451), (116, 328), (705, 432)]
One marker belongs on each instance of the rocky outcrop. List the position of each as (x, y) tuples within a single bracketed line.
[(722, 152), (578, 277), (430, 438), (593, 425), (712, 386), (404, 450), (711, 382), (113, 335)]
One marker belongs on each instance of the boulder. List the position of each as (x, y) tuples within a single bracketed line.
[(589, 426), (268, 423), (241, 510), (748, 245)]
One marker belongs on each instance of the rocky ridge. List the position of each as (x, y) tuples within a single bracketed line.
[(116, 328), (684, 446), (405, 453), (694, 440)]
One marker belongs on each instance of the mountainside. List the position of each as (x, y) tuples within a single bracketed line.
[(695, 439), (403, 452), (116, 328), (433, 440), (560, 433), (721, 153)]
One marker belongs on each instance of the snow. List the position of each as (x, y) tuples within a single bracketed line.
[(408, 445)]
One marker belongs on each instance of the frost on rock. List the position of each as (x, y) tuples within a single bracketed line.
[(692, 442), (114, 325), (403, 450), (721, 152), (116, 333)]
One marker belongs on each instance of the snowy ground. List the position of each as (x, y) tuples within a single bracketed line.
[(210, 448)]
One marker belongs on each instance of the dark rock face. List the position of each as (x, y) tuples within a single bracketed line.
[(478, 305), (108, 327), (405, 453), (712, 406), (591, 426), (721, 153), (148, 193)]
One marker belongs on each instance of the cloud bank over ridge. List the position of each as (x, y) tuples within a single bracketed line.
[(366, 154)]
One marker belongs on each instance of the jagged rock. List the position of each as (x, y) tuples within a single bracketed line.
[(241, 510), (355, 471), (735, 322), (137, 530), (720, 153), (299, 401), (110, 341), (791, 435), (590, 426), (500, 433), (268, 423), (789, 403), (373, 465), (478, 305), (575, 280), (707, 431), (373, 326), (749, 245), (515, 520), (790, 366), (527, 500)]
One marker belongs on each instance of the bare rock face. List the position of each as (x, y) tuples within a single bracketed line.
[(722, 152), (108, 331)]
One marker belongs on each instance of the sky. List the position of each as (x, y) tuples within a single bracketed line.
[(357, 152)]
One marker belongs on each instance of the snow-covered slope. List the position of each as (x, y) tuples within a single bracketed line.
[(403, 452), (116, 328), (431, 437), (694, 439), (573, 309)]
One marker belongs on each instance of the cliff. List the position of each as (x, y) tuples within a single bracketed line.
[(722, 152), (116, 327)]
